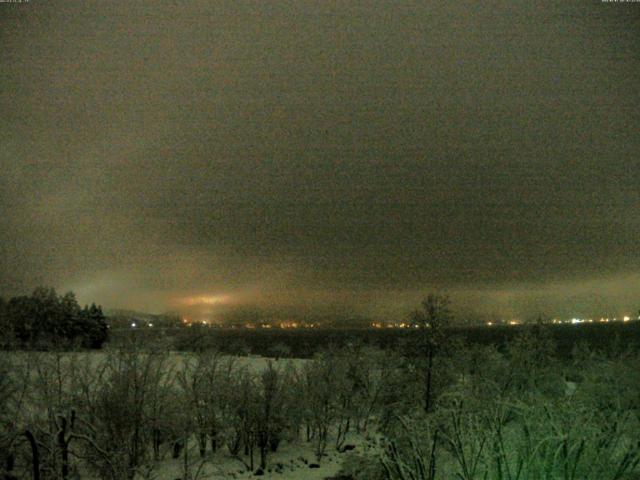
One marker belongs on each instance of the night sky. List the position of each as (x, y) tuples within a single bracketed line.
[(293, 158)]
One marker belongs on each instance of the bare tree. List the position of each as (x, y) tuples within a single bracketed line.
[(116, 426), (271, 410), (432, 319), (205, 380), (15, 384), (192, 381), (320, 386), (54, 424)]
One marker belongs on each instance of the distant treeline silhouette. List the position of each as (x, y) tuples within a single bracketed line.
[(46, 320)]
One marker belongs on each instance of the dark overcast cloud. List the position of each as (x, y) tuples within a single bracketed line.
[(349, 154)]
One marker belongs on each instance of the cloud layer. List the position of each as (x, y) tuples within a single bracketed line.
[(350, 155)]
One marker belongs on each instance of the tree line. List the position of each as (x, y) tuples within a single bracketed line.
[(44, 320)]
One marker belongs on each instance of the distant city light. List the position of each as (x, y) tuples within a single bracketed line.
[(301, 324)]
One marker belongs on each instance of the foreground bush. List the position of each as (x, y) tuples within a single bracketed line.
[(504, 425)]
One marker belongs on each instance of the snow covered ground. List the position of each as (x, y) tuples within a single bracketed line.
[(291, 462)]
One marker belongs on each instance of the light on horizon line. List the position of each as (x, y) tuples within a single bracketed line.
[(206, 300)]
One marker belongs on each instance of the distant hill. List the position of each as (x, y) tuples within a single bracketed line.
[(118, 317)]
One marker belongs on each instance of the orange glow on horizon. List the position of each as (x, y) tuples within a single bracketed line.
[(206, 300)]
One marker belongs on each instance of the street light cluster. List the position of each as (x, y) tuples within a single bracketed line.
[(570, 321)]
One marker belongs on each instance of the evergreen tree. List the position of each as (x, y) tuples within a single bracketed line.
[(97, 330), (45, 318)]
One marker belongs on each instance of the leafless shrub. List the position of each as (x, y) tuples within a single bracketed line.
[(119, 409), (14, 387)]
